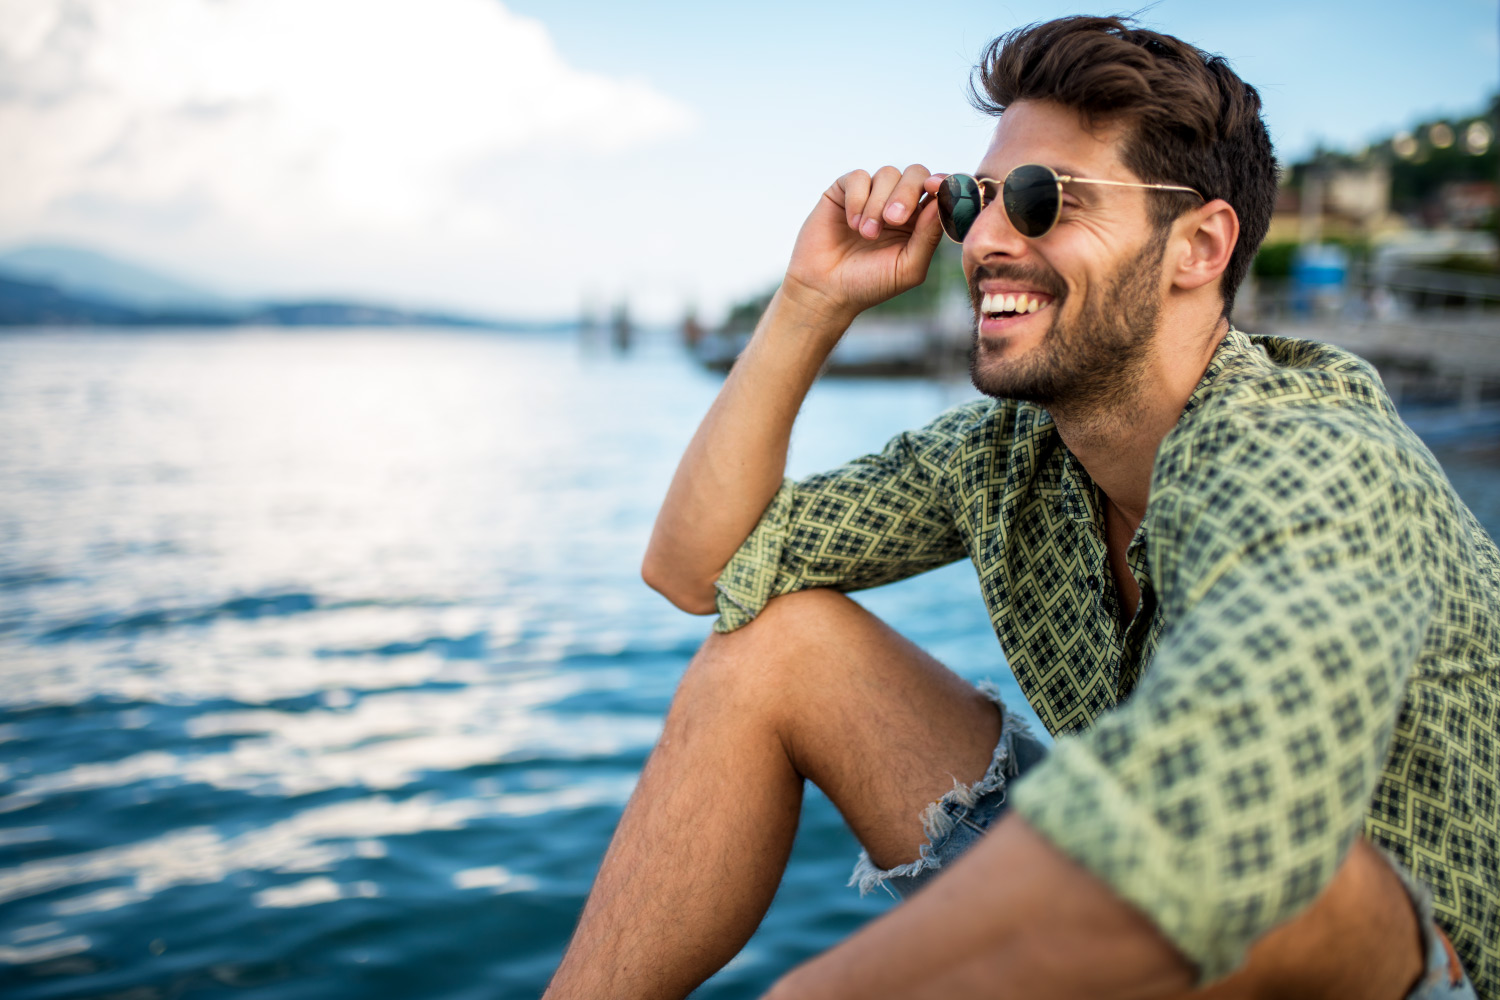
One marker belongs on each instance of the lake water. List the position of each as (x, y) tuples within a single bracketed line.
[(326, 668)]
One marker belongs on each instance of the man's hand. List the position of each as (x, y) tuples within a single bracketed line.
[(867, 240)]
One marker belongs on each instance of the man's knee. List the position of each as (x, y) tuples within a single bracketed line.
[(816, 611), (788, 624), (759, 662)]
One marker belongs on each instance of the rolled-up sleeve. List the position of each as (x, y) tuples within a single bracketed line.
[(876, 520), (1222, 796)]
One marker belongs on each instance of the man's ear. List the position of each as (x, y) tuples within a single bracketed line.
[(1206, 238)]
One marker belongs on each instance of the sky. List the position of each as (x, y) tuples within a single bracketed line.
[(536, 158)]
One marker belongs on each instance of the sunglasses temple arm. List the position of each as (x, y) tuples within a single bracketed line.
[(1063, 178)]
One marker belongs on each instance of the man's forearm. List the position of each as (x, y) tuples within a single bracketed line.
[(1013, 917), (735, 462)]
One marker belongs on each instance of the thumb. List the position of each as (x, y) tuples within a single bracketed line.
[(925, 236)]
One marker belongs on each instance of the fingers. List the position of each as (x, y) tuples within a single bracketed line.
[(903, 199), (889, 198), (882, 186), (855, 186)]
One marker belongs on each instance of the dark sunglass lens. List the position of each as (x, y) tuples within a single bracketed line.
[(958, 205), (1031, 199)]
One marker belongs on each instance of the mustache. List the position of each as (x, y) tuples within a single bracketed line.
[(1042, 279)]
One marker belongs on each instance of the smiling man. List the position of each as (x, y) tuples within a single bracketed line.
[(1236, 588)]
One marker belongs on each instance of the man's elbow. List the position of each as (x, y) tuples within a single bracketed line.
[(694, 597)]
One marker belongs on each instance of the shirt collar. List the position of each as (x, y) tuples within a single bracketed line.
[(1235, 357), (1077, 489)]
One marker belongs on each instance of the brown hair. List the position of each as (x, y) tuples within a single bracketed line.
[(1190, 119)]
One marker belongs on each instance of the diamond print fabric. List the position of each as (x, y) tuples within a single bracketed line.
[(1316, 652)]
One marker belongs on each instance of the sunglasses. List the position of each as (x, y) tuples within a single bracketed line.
[(1031, 194)]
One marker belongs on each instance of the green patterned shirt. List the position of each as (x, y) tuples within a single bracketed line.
[(1316, 652)]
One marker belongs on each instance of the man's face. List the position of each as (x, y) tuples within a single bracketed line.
[(1096, 276)]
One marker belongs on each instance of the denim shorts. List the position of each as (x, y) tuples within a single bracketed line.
[(956, 821)]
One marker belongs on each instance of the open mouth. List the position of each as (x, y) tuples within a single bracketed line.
[(1005, 305)]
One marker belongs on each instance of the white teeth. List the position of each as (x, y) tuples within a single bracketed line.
[(998, 302)]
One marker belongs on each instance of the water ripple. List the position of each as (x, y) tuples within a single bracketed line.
[(163, 618), (310, 842)]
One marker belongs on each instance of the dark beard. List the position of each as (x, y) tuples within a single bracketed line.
[(1092, 363)]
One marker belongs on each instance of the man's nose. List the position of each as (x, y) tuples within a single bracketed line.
[(992, 235)]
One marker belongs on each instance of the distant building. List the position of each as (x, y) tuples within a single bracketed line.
[(1342, 200)]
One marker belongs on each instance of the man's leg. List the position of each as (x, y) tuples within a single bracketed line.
[(815, 688)]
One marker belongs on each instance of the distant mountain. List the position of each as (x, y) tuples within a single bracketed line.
[(29, 303), (37, 303), (99, 277)]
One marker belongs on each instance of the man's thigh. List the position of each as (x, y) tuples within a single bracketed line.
[(876, 723)]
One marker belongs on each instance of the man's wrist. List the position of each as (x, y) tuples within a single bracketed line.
[(813, 310), (796, 334)]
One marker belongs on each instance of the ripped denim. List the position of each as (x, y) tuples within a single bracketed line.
[(956, 821), (953, 823)]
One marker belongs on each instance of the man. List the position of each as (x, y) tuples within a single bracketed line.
[(1232, 583)]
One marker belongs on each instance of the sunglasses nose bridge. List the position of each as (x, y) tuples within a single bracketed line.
[(1008, 239)]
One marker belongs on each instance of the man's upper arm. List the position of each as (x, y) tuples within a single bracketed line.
[(1221, 797), (877, 519)]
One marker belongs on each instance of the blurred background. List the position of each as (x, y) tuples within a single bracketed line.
[(346, 350)]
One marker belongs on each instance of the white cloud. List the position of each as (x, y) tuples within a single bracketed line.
[(283, 121)]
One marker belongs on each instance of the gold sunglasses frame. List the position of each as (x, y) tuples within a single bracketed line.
[(1060, 180)]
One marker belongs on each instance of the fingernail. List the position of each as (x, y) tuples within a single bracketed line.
[(871, 228), (857, 220), (895, 211)]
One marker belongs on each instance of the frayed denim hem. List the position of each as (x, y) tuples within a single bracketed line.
[(939, 818)]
